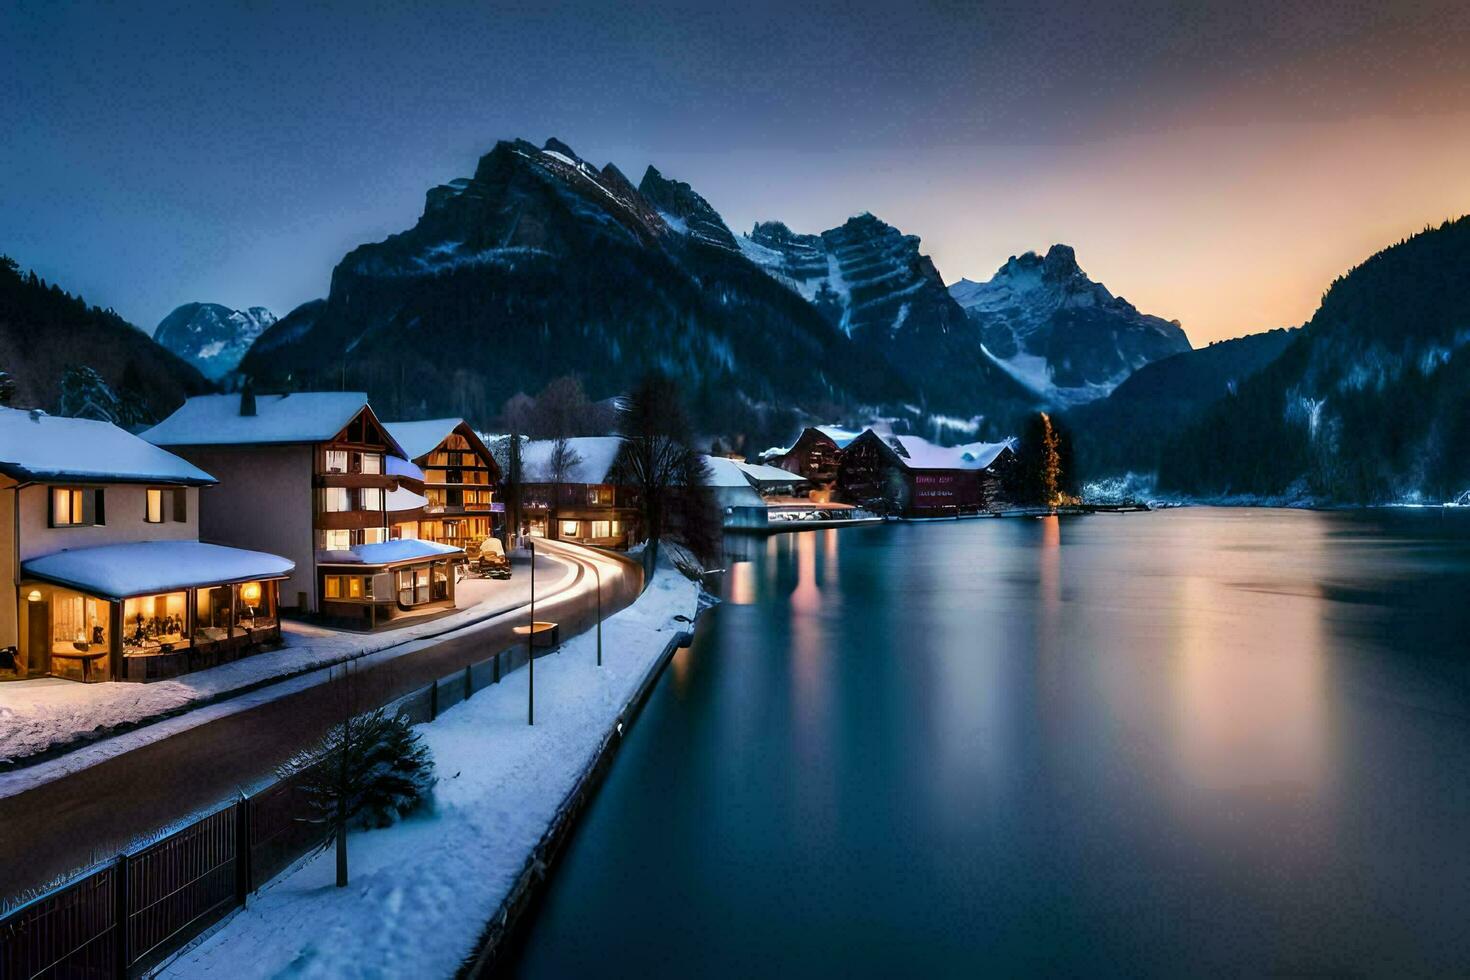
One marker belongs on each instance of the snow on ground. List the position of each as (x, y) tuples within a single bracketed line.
[(37, 714), (423, 891)]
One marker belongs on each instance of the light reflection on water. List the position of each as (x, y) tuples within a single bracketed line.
[(1206, 741)]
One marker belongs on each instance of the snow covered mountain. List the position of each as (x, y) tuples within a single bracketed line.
[(212, 337), (871, 281), (542, 265), (1059, 333)]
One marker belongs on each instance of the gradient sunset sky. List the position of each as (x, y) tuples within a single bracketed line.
[(1218, 165)]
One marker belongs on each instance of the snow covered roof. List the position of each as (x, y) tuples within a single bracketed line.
[(730, 486), (398, 466), (306, 416), (116, 571), (838, 435), (37, 446), (760, 473), (389, 552), (418, 439), (402, 499), (921, 454), (597, 456), (724, 473)]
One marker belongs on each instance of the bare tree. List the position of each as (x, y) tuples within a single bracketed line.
[(507, 453), (658, 461), (564, 459)]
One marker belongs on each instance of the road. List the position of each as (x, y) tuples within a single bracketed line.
[(81, 813)]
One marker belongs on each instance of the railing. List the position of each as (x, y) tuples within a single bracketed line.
[(166, 893)]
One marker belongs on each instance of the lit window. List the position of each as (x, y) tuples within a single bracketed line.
[(569, 528), (373, 535), (601, 529), (617, 528), (338, 540), (372, 463), (155, 507), (372, 498), (334, 500), (336, 461), (75, 507)]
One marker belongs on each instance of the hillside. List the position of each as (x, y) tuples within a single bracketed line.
[(1126, 431), (1371, 403), (44, 332)]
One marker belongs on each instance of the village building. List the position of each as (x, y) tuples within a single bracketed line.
[(310, 476), (455, 474), (911, 477), (579, 497), (105, 577), (814, 457), (741, 506)]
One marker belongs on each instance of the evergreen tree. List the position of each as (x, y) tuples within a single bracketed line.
[(367, 771)]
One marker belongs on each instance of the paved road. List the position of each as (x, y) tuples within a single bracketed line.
[(86, 814)]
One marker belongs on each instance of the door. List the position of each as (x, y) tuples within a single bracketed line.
[(38, 638)]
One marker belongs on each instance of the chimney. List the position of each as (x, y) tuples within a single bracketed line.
[(247, 398)]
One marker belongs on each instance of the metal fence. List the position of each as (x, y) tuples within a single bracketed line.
[(122, 919)]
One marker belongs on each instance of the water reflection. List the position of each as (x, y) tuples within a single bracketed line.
[(1213, 741)]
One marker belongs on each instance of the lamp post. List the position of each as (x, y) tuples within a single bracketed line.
[(531, 643), (596, 570)]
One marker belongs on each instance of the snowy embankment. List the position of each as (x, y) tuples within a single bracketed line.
[(423, 891), (52, 714)]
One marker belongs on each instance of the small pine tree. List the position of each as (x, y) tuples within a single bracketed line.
[(368, 771), (7, 386)]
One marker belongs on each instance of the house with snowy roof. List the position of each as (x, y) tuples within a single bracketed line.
[(309, 475), (912, 477), (577, 495), (105, 576), (814, 456), (458, 477)]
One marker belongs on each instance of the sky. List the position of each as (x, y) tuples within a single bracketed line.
[(1214, 163)]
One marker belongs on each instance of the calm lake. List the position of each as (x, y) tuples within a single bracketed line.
[(1199, 740)]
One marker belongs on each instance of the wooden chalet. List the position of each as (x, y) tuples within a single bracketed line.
[(912, 477), (309, 476), (457, 480), (814, 457)]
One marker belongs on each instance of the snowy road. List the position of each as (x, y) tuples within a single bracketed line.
[(99, 799)]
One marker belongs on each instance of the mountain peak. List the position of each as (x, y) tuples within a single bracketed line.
[(685, 211), (211, 336), (1060, 262), (555, 145)]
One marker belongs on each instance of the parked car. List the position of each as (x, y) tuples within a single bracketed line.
[(488, 559)]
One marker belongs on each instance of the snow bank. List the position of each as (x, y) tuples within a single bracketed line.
[(423, 891)]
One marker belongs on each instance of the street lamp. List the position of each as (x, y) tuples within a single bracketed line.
[(597, 570), (531, 642)]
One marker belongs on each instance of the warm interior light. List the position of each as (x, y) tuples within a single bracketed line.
[(250, 592), (34, 595)]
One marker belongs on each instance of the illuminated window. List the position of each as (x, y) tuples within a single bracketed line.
[(347, 587), (76, 507), (601, 529), (154, 513), (371, 463), (372, 498), (374, 535), (336, 461), (569, 528), (335, 500), (337, 540)]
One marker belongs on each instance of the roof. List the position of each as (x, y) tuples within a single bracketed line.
[(418, 439), (37, 446), (759, 473), (724, 472), (389, 552), (116, 571), (921, 454), (398, 466), (729, 483), (597, 454), (404, 499), (215, 420), (838, 435)]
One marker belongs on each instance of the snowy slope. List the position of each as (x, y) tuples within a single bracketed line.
[(212, 337), (1059, 333)]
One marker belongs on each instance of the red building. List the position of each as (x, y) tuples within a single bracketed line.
[(912, 477)]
